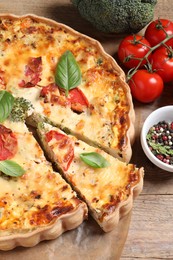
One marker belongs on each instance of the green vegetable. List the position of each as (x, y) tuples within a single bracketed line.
[(95, 160), (21, 109), (67, 74), (117, 16), (6, 104), (11, 168), (166, 150)]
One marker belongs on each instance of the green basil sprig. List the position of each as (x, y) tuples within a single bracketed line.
[(68, 73), (94, 160), (6, 104), (11, 168)]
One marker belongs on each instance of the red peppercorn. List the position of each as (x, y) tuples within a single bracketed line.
[(160, 157), (164, 138), (154, 137)]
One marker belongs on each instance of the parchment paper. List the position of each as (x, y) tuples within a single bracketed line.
[(88, 241)]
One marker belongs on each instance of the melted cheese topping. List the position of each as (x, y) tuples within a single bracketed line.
[(102, 188), (107, 114), (37, 198)]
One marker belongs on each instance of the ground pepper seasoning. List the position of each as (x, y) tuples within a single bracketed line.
[(160, 141)]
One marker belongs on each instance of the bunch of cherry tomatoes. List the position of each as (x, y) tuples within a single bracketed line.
[(149, 59)]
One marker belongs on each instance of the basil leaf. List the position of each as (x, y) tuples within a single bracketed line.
[(6, 104), (11, 168), (95, 160), (67, 74)]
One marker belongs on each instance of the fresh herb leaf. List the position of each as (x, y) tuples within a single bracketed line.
[(149, 136), (166, 150), (6, 104), (95, 160), (68, 73), (11, 168)]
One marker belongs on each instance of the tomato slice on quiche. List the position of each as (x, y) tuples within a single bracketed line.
[(78, 100), (8, 143), (61, 142)]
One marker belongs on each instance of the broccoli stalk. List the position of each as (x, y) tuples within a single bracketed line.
[(22, 108), (117, 16)]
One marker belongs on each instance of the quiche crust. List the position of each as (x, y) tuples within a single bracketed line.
[(31, 238)]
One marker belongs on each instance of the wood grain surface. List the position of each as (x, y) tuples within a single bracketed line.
[(151, 229)]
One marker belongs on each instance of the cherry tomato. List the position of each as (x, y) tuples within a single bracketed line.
[(131, 49), (157, 30), (54, 134), (146, 86), (64, 145), (8, 143), (162, 62)]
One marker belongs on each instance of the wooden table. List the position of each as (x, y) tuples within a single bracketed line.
[(151, 229)]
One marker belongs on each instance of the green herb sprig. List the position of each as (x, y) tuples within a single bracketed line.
[(68, 73), (157, 147), (166, 150)]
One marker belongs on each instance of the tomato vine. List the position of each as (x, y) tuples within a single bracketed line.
[(149, 59), (151, 50)]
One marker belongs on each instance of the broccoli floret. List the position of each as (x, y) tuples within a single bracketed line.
[(117, 16), (22, 108)]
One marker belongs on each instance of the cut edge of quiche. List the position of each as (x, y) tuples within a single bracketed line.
[(40, 204), (108, 191)]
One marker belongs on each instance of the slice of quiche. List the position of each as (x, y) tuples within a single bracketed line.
[(99, 99), (38, 205), (106, 184)]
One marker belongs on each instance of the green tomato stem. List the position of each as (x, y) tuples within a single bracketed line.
[(134, 70)]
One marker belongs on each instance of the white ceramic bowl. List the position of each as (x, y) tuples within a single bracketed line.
[(160, 114)]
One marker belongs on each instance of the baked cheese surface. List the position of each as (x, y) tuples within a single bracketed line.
[(103, 189), (30, 50), (39, 197)]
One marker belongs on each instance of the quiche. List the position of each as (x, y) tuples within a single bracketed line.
[(31, 48), (65, 85), (38, 205), (106, 185)]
